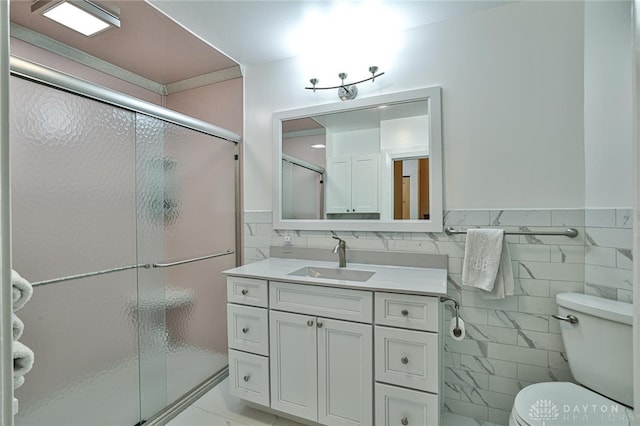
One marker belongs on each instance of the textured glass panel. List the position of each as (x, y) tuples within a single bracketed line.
[(199, 220), (73, 182), (151, 248), (186, 209), (74, 212), (84, 337)]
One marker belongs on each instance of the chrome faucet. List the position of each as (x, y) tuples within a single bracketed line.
[(341, 249)]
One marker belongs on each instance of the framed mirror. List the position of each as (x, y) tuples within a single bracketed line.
[(371, 164)]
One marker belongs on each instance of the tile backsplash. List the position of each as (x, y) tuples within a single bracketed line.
[(510, 343), (608, 256)]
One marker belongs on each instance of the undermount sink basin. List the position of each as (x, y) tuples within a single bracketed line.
[(333, 273)]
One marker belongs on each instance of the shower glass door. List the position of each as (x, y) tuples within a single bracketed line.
[(73, 196), (186, 210), (96, 188)]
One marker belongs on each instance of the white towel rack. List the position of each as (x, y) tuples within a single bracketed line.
[(569, 232)]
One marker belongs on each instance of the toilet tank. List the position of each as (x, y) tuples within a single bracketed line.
[(599, 345)]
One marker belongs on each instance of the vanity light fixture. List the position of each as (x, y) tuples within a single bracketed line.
[(83, 16), (346, 91)]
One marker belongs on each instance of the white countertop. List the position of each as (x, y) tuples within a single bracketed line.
[(397, 279)]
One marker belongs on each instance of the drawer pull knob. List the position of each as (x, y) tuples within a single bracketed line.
[(319, 324), (310, 323), (404, 360), (245, 330), (244, 291), (405, 312), (246, 378), (404, 421)]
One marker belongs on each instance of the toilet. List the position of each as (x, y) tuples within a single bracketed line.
[(599, 351)]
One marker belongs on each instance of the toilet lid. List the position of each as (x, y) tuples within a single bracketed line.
[(566, 404)]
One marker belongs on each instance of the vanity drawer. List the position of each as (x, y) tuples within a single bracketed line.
[(407, 358), (248, 329), (247, 291), (407, 311), (249, 377), (398, 406), (330, 302)]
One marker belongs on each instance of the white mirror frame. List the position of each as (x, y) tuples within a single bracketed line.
[(434, 224)]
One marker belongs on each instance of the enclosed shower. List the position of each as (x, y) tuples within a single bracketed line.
[(124, 214)]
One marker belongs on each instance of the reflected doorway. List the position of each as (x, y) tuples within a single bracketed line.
[(411, 189)]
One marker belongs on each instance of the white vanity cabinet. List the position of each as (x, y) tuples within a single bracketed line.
[(408, 359), (248, 339), (335, 355), (321, 359), (321, 368)]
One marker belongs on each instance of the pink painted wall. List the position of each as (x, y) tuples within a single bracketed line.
[(220, 103)]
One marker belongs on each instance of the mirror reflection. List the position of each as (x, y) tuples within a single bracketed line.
[(411, 189), (365, 164)]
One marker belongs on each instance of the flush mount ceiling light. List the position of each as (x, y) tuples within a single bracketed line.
[(83, 16), (346, 91)]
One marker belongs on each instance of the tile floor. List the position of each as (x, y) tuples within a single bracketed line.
[(218, 408)]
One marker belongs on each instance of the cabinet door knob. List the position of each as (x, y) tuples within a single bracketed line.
[(347, 210), (246, 378), (319, 324), (405, 312), (244, 291), (310, 323), (245, 330), (404, 360), (404, 421)]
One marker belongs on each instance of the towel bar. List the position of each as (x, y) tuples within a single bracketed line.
[(569, 232)]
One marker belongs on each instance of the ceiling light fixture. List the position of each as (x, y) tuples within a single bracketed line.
[(83, 16), (346, 91), (318, 146)]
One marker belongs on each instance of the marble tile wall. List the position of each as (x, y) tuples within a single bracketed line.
[(608, 257), (513, 342)]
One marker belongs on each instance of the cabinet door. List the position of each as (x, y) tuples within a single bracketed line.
[(338, 185), (247, 329), (407, 358), (249, 377), (345, 378), (293, 364), (398, 406), (364, 184)]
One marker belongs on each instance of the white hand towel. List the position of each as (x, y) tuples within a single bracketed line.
[(21, 290), (22, 359), (505, 284), (18, 326), (18, 381), (487, 264)]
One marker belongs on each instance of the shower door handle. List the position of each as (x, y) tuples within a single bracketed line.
[(195, 259)]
